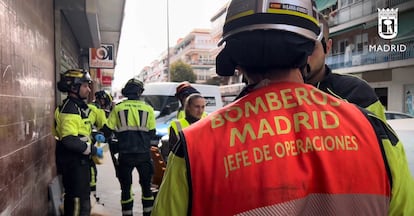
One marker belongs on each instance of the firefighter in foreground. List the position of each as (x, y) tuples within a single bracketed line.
[(285, 148), (134, 122), (346, 87), (73, 127)]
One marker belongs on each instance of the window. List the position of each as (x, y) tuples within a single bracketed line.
[(341, 45), (345, 3), (361, 41)]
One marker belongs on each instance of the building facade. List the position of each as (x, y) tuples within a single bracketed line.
[(194, 49), (41, 39), (386, 64), (359, 49)]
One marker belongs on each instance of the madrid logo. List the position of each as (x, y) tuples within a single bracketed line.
[(387, 23), (388, 29)]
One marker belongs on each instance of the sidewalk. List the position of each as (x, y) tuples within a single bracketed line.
[(109, 191)]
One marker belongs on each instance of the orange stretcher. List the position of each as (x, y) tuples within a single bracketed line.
[(159, 166)]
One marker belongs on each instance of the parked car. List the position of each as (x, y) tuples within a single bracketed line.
[(397, 115), (405, 131)]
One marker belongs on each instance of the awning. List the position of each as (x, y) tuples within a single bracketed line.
[(405, 26), (353, 28), (323, 4)]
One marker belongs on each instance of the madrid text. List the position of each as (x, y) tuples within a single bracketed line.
[(387, 48), (297, 122)]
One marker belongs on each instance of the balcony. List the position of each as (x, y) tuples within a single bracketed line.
[(362, 9), (203, 62), (368, 58)]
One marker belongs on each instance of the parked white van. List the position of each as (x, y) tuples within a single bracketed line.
[(161, 96)]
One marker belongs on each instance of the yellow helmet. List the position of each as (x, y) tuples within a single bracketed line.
[(71, 78)]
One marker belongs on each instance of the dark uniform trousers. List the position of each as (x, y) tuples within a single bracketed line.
[(143, 163), (77, 189)]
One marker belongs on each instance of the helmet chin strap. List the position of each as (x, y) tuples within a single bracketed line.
[(78, 95), (76, 92), (83, 98), (305, 71)]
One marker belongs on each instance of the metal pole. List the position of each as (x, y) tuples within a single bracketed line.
[(168, 45)]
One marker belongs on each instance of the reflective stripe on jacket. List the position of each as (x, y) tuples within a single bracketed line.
[(179, 124), (132, 120), (97, 116), (72, 129), (181, 114), (286, 148)]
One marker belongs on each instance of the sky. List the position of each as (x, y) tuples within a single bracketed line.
[(144, 31)]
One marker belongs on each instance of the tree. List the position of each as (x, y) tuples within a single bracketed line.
[(181, 71)]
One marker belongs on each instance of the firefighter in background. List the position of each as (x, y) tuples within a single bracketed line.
[(134, 122), (183, 90), (194, 106), (73, 127), (284, 148), (342, 86), (103, 100), (101, 107)]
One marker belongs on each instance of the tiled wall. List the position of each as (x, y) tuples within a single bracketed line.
[(27, 84)]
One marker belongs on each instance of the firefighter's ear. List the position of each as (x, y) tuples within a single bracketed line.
[(224, 63)]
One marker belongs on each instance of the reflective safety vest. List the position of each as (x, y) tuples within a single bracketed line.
[(179, 124), (181, 114), (97, 116), (286, 149), (132, 120), (71, 120)]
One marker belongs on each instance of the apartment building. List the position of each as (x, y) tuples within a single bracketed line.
[(230, 86), (358, 48), (194, 49), (386, 64)]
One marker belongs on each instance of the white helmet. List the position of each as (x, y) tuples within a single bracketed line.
[(266, 34), (298, 16)]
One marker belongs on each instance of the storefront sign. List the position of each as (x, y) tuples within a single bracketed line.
[(102, 57)]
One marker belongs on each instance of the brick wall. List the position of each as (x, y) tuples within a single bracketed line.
[(27, 98)]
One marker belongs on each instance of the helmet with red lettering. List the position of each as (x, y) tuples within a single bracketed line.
[(266, 34), (71, 80)]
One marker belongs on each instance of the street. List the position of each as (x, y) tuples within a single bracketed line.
[(109, 191)]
